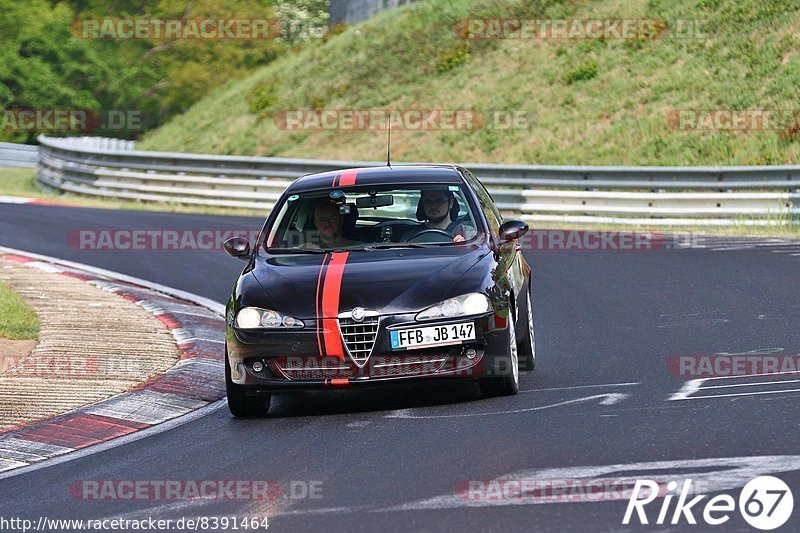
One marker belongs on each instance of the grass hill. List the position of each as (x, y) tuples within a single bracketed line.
[(591, 102)]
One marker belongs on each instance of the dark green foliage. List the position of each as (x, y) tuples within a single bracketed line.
[(45, 65)]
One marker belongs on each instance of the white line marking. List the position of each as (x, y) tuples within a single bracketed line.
[(607, 399), (731, 473), (45, 267), (15, 200), (689, 388), (629, 384), (753, 375), (741, 394), (161, 509), (10, 464), (751, 384), (757, 351), (693, 385), (324, 510), (184, 340)]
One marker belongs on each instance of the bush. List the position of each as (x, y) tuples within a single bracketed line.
[(585, 71)]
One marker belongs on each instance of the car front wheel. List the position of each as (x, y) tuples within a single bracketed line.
[(508, 383)]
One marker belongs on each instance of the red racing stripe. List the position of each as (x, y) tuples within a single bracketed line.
[(318, 298), (331, 287), (348, 177)]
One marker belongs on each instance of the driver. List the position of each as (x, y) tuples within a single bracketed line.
[(329, 224), (437, 206)]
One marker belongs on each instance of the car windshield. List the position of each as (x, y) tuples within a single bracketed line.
[(372, 217)]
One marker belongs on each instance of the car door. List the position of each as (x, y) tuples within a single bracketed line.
[(509, 275)]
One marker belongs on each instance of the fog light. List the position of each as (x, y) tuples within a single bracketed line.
[(471, 353), (258, 367)]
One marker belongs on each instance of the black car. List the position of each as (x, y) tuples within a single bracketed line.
[(375, 275)]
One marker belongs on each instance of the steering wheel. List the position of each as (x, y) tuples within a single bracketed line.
[(429, 232)]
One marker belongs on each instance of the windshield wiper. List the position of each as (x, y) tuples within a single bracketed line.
[(297, 250), (388, 245)]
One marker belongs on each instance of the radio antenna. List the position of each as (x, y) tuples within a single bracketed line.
[(389, 145)]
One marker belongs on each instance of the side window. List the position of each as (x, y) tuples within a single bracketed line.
[(492, 205), (490, 211)]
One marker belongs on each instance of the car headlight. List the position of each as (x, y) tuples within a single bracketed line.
[(473, 303), (255, 318)]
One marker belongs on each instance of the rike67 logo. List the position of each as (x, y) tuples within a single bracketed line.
[(765, 503)]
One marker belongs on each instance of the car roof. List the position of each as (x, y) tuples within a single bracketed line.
[(385, 175)]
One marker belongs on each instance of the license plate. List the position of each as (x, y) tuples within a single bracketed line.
[(413, 338)]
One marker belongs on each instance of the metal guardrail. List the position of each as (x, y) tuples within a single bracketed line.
[(18, 155), (91, 143), (697, 195)]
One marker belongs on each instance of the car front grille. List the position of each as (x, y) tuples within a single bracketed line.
[(410, 365), (380, 366), (311, 368), (359, 337)]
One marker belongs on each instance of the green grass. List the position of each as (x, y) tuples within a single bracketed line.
[(22, 182), (591, 102), (599, 102), (17, 319)]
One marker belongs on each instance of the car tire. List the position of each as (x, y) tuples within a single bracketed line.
[(239, 403), (527, 344), (508, 384)]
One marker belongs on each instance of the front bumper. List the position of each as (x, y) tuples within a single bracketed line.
[(274, 361)]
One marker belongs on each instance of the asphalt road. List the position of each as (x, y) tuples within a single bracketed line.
[(606, 325)]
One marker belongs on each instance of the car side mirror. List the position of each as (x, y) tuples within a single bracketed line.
[(237, 247), (511, 230)]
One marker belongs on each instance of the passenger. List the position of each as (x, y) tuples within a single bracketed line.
[(329, 223)]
